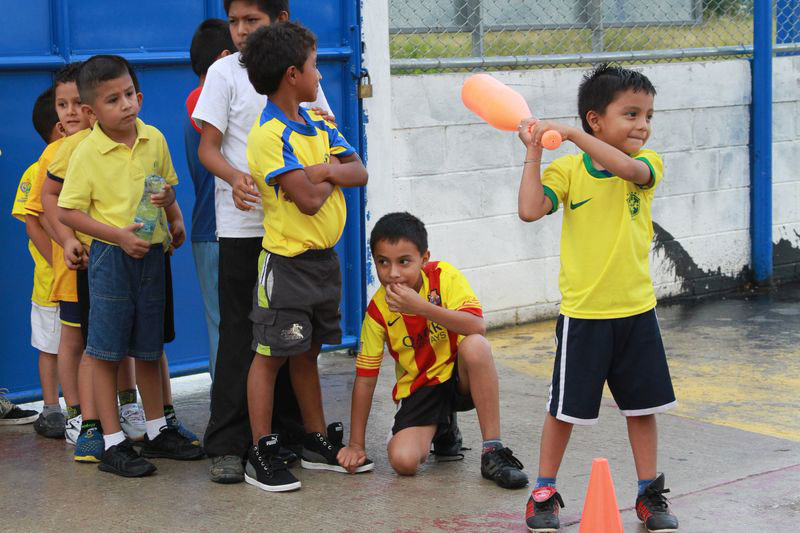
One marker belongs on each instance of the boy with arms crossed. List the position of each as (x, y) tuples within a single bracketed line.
[(432, 323), (226, 110), (607, 330), (296, 299), (103, 187)]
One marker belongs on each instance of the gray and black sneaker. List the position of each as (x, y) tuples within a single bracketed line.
[(652, 508), (170, 444), (503, 468), (319, 452), (123, 460), (541, 512), (266, 470), (51, 426), (11, 415), (448, 444), (226, 469)]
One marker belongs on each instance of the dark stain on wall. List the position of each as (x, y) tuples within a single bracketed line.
[(785, 261), (694, 280)]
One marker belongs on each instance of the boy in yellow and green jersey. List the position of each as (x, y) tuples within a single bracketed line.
[(608, 330)]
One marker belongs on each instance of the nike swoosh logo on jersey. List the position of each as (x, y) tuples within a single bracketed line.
[(391, 323), (573, 205)]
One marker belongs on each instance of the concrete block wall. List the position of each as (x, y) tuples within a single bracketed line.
[(786, 170)]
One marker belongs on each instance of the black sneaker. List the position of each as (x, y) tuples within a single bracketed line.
[(170, 444), (652, 508), (17, 416), (541, 513), (503, 468), (52, 426), (448, 444), (122, 459), (319, 452), (266, 470)]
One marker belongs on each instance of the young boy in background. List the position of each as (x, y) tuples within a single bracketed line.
[(296, 299), (210, 42), (45, 327), (607, 330), (226, 110), (432, 322), (107, 186)]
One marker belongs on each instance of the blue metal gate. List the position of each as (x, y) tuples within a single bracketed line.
[(37, 37)]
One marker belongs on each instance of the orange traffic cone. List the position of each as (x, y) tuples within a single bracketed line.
[(600, 511)]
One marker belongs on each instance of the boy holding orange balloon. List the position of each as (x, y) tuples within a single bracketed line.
[(607, 330)]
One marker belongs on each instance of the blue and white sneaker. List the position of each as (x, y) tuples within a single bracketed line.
[(173, 422), (89, 447)]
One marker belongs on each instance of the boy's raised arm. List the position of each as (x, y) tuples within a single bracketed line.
[(406, 300), (354, 454), (532, 203)]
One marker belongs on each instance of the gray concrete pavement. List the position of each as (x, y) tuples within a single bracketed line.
[(731, 451)]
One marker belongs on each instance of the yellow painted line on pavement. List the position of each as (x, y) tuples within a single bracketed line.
[(755, 392)]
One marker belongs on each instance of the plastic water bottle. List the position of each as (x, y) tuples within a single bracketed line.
[(146, 213)]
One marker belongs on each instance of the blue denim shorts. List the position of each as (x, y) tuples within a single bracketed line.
[(126, 312)]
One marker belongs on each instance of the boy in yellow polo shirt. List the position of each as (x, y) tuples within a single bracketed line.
[(291, 152), (432, 323), (608, 330), (45, 328), (106, 198)]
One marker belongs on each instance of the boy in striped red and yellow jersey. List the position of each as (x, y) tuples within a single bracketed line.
[(432, 322)]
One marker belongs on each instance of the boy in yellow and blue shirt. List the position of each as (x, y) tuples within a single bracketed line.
[(300, 164), (608, 330), (108, 199), (45, 328)]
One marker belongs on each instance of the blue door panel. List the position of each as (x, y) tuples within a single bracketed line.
[(27, 28), (39, 36), (152, 25)]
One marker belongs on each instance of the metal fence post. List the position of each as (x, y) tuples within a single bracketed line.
[(788, 23), (594, 10), (761, 144)]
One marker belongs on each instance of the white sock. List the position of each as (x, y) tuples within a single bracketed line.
[(113, 439), (154, 427)]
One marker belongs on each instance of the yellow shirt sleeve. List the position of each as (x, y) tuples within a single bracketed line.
[(269, 156), (555, 181), (457, 295), (34, 202), (373, 338), (77, 191), (167, 171), (18, 211), (654, 161)]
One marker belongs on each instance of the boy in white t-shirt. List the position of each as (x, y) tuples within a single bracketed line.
[(227, 108)]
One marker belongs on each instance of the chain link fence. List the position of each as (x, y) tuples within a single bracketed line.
[(468, 34)]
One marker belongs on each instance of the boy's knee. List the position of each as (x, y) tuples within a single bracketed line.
[(404, 462), (475, 349)]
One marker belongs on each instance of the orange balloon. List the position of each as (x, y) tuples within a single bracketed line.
[(495, 102), (551, 139)]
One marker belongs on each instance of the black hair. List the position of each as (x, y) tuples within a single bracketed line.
[(600, 87), (68, 73), (396, 226), (272, 8), (210, 39), (273, 49), (102, 68), (44, 114)]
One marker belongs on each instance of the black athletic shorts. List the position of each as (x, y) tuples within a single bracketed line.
[(169, 307), (430, 405), (625, 352), (296, 302)]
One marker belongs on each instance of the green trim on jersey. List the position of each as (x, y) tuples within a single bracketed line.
[(553, 198), (652, 182), (599, 174)]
